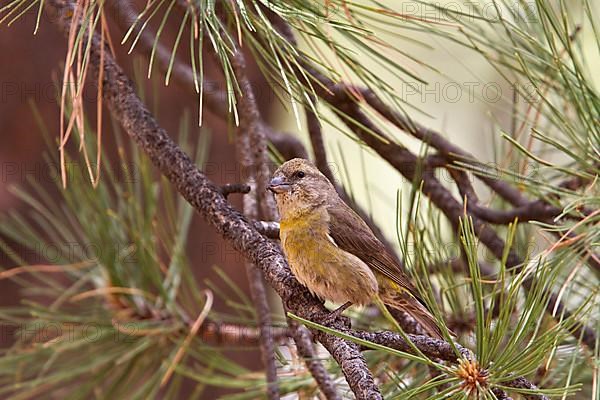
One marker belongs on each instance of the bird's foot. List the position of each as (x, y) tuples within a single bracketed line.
[(337, 313)]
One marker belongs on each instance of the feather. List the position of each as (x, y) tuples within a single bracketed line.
[(353, 235), (405, 302), (350, 233)]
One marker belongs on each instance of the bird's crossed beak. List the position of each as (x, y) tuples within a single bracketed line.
[(279, 185)]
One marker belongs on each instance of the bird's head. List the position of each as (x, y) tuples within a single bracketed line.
[(299, 187)]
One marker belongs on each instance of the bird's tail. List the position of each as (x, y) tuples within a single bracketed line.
[(406, 303)]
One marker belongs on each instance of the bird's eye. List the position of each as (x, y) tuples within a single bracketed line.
[(300, 174)]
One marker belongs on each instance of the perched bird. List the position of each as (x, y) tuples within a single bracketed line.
[(333, 252)]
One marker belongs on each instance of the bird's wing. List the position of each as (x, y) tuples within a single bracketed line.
[(350, 233)]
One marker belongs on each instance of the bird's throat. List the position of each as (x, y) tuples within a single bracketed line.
[(314, 218)]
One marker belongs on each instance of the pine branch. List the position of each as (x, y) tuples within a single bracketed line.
[(251, 123), (437, 349), (525, 210), (267, 343), (447, 149), (230, 188), (536, 210)]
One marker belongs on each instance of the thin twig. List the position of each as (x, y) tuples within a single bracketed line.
[(230, 188), (267, 229), (224, 334), (437, 141)]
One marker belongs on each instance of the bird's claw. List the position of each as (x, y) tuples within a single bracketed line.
[(337, 314)]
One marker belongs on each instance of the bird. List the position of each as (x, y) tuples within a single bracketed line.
[(332, 251)]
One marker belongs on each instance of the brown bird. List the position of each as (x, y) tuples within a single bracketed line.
[(333, 252)]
